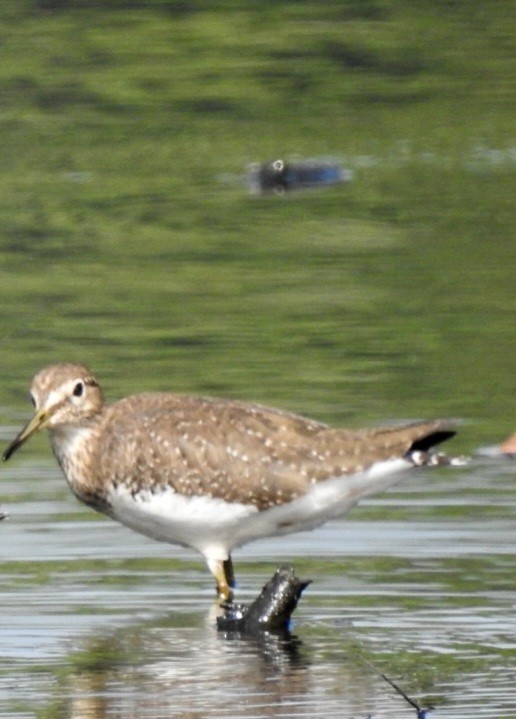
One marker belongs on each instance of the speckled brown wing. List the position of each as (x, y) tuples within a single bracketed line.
[(236, 451), (231, 450)]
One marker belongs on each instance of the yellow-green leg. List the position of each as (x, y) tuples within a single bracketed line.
[(222, 570)]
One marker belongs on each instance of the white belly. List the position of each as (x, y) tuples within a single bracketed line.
[(214, 527), (204, 523)]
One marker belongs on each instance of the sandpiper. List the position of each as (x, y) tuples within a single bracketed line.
[(213, 474)]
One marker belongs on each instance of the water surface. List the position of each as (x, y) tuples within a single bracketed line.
[(389, 298), (98, 622)]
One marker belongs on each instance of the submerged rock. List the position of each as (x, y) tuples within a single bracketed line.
[(270, 611)]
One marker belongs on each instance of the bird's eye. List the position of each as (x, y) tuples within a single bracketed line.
[(78, 389), (32, 400)]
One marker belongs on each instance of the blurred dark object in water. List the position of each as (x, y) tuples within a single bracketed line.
[(2, 515), (278, 177), (270, 611)]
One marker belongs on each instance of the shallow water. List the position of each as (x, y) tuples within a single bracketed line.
[(390, 297), (417, 584)]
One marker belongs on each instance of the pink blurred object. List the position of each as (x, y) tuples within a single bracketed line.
[(509, 446)]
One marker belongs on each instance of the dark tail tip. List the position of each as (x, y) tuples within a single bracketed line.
[(431, 440)]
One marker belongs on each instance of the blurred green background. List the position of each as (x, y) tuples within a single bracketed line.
[(129, 241)]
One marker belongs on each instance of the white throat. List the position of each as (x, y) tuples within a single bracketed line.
[(70, 445)]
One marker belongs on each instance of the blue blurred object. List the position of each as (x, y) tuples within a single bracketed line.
[(278, 176)]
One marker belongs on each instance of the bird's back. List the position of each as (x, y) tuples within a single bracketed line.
[(237, 451)]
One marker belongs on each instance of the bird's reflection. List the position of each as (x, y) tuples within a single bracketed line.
[(180, 668), (186, 672), (183, 667), (280, 651)]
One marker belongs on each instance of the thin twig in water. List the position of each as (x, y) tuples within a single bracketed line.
[(421, 713)]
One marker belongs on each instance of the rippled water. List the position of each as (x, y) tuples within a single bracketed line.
[(390, 297), (417, 584)]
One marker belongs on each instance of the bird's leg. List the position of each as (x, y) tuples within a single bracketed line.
[(229, 572), (222, 570)]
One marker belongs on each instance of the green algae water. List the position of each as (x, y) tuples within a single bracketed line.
[(129, 241)]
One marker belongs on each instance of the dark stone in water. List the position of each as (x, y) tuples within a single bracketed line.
[(270, 611)]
